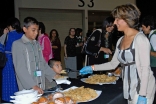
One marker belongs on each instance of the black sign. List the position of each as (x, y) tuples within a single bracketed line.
[(91, 4)]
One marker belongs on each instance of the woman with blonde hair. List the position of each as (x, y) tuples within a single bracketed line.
[(133, 53)]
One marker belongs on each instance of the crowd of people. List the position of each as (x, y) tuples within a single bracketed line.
[(34, 57)]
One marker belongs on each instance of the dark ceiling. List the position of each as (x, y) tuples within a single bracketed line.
[(147, 7)]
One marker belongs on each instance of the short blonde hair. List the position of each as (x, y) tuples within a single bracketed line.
[(129, 13)]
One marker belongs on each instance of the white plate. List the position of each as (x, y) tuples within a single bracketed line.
[(24, 92), (97, 91), (114, 82), (25, 101)]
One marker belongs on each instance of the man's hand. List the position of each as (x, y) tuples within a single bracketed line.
[(40, 91), (106, 50), (153, 53)]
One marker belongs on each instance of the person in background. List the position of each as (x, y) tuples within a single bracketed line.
[(45, 43), (9, 83), (56, 44), (96, 46), (30, 66), (79, 45), (70, 43), (56, 66), (3, 32), (149, 28), (107, 33), (46, 34), (133, 53), (88, 33)]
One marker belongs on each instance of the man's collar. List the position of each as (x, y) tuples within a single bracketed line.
[(151, 32), (26, 40)]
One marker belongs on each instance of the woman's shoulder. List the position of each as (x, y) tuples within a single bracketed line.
[(45, 37), (141, 40), (67, 37), (140, 36), (97, 31)]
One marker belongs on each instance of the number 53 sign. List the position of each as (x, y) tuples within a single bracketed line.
[(90, 4)]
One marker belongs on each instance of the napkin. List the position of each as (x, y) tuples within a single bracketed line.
[(63, 81)]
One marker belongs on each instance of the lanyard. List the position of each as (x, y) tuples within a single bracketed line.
[(36, 63)]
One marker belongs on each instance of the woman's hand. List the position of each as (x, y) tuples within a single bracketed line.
[(81, 44), (106, 50), (142, 100), (40, 91), (86, 70)]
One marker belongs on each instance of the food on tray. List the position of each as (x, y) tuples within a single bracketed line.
[(81, 94), (42, 100), (96, 79), (35, 103), (60, 100), (50, 97), (69, 100), (57, 95), (51, 103)]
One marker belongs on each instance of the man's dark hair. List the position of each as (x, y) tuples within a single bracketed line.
[(52, 61), (149, 21), (29, 21)]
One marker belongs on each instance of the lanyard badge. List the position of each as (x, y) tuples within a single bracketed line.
[(106, 56), (37, 73)]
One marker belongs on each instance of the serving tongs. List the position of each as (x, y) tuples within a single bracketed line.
[(68, 70), (57, 88), (71, 70)]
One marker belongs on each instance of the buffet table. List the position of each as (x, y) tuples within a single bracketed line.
[(111, 93)]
